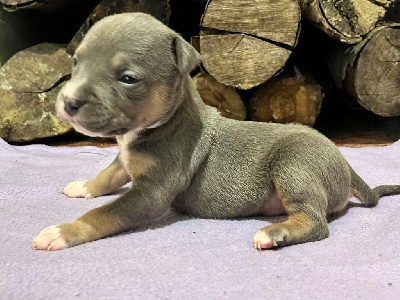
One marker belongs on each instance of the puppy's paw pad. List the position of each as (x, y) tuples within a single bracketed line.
[(77, 189), (262, 240), (49, 239)]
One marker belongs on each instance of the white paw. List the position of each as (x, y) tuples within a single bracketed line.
[(49, 239), (262, 240), (77, 189)]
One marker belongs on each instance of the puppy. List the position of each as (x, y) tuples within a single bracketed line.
[(130, 80)]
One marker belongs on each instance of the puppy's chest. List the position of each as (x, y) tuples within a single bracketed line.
[(135, 163)]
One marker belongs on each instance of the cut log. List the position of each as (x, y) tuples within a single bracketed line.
[(370, 71), (157, 8), (287, 99), (12, 5), (48, 5), (225, 98), (346, 21), (244, 43)]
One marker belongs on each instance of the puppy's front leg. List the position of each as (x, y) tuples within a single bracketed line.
[(130, 210), (109, 180)]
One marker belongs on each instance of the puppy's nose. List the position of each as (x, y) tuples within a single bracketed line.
[(71, 106)]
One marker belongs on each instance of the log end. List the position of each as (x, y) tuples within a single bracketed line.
[(225, 98), (374, 77), (285, 99)]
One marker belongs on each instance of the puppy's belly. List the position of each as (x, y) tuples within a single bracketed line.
[(273, 206)]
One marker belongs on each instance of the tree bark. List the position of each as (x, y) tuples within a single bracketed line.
[(12, 5), (344, 20), (244, 43), (370, 70), (47, 6)]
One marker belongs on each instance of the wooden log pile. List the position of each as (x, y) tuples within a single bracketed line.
[(253, 66), (246, 44)]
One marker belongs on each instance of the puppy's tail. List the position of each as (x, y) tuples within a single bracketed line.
[(386, 190), (368, 196)]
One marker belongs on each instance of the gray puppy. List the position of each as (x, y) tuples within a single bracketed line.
[(131, 80)]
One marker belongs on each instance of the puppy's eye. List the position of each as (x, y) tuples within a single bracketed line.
[(128, 79), (74, 61)]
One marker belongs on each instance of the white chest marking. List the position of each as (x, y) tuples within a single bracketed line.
[(124, 142)]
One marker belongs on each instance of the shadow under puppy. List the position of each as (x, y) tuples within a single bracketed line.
[(131, 80)]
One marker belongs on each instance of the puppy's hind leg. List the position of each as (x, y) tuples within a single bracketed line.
[(306, 220), (109, 180)]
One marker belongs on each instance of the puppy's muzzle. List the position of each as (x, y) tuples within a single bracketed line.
[(72, 106)]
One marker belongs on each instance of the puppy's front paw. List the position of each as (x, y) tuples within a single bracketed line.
[(49, 239), (65, 235), (77, 189), (262, 240)]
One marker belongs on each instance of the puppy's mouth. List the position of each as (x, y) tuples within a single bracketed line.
[(98, 130), (93, 129)]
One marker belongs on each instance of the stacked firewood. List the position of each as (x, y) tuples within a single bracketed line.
[(246, 44), (259, 58)]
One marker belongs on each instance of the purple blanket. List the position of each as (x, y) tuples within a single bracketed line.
[(183, 257)]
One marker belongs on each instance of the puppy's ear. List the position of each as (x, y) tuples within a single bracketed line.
[(186, 57)]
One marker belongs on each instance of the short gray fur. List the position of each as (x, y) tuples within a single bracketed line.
[(205, 165)]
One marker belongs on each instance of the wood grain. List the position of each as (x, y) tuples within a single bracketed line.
[(270, 19), (244, 43), (240, 60), (375, 75)]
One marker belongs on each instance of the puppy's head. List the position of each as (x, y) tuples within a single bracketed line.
[(124, 74)]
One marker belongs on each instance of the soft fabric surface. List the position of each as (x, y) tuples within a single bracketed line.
[(187, 258)]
